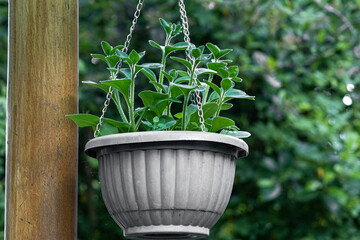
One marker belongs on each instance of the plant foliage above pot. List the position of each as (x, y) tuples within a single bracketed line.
[(158, 185), (170, 87)]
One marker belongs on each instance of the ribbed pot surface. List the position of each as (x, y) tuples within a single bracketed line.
[(164, 192)]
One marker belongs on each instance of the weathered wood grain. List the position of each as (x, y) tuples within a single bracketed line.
[(41, 164)]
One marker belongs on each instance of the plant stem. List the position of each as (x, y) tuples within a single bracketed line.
[(116, 98), (183, 125), (211, 76), (220, 104), (132, 95), (186, 100), (139, 120), (218, 110), (193, 67), (161, 76), (168, 109)]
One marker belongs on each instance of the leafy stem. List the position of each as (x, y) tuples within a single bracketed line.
[(211, 76), (139, 120), (161, 76), (116, 99), (132, 98), (186, 100)]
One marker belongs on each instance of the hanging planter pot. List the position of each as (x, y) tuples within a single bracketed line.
[(175, 180), (166, 185)]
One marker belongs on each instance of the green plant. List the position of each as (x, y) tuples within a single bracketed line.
[(171, 86)]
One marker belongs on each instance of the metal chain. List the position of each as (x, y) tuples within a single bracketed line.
[(114, 76), (185, 24)]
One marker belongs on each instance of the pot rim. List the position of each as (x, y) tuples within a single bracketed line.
[(153, 137)]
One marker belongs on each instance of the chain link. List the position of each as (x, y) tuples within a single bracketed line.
[(185, 24), (114, 76)]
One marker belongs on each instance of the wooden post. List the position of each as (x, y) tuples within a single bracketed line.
[(41, 161)]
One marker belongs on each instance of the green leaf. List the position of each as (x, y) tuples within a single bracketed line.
[(219, 123), (159, 86), (200, 71), (169, 77), (190, 111), (150, 97), (108, 129), (173, 73), (237, 79), (223, 73), (182, 61), (235, 93), (112, 69), (227, 61), (175, 91), (226, 106), (216, 65), (157, 102), (112, 60), (237, 134), (155, 45), (156, 119), (214, 87), (98, 56), (122, 55), (196, 53), (205, 57), (182, 79), (233, 71), (182, 73), (84, 120), (165, 25), (119, 47), (178, 115), (209, 109), (151, 65), (226, 84), (121, 126), (122, 85), (175, 47), (149, 74), (186, 89), (174, 100), (106, 48), (214, 49), (141, 54), (134, 57), (181, 45), (98, 85), (224, 52), (126, 72), (164, 123), (214, 96), (137, 69)]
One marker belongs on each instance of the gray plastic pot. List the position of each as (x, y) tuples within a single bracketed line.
[(166, 185)]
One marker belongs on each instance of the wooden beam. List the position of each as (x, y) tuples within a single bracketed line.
[(41, 161)]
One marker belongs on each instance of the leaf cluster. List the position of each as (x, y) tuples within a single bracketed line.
[(170, 87)]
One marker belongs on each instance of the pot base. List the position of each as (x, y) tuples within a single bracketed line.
[(166, 232)]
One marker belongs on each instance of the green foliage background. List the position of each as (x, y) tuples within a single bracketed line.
[(302, 177)]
